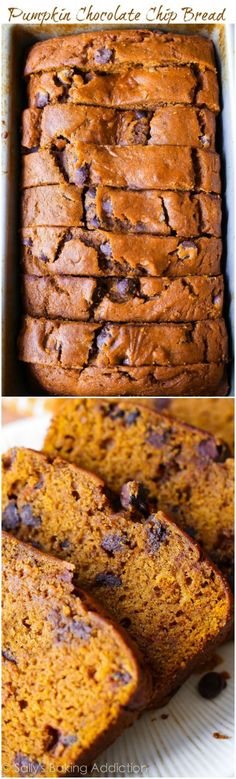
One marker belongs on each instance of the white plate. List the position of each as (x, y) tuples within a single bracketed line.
[(182, 745)]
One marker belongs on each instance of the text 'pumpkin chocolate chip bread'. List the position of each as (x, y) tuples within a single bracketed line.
[(149, 574), (71, 679), (187, 472), (121, 177)]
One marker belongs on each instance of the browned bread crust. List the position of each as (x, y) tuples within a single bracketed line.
[(109, 50), (148, 167), (79, 345), (174, 125), (123, 561), (181, 380), (51, 634), (122, 300), (56, 250)]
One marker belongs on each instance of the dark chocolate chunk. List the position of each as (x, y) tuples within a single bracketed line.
[(107, 579), (113, 543), (43, 257), (7, 654), (115, 412), (211, 685), (139, 114), (39, 483), (122, 676), (103, 55), (27, 766), (80, 629), (105, 248), (132, 418), (156, 535), (82, 175), (55, 737), (162, 403), (67, 740), (64, 544), (10, 517), (27, 241), (133, 494), (156, 439), (209, 449), (28, 518), (122, 290), (42, 98)]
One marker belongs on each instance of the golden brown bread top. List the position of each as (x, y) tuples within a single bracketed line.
[(124, 300), (174, 125), (51, 250), (111, 49), (181, 380), (76, 345)]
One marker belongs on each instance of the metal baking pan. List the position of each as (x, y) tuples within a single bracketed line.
[(16, 40)]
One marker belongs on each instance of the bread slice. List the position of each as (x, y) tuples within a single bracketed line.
[(134, 167), (117, 49), (56, 250), (78, 345), (149, 574), (174, 125), (64, 662), (85, 298), (150, 381), (187, 471), (138, 88)]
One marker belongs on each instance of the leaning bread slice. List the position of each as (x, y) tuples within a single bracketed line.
[(187, 472), (149, 574), (71, 678)]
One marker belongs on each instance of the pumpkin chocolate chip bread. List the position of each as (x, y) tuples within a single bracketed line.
[(147, 167), (185, 299), (149, 381), (111, 50), (56, 250), (150, 574), (187, 471), (123, 179), (53, 342), (174, 125), (87, 682), (137, 88)]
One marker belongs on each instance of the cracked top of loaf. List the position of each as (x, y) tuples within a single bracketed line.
[(116, 49)]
